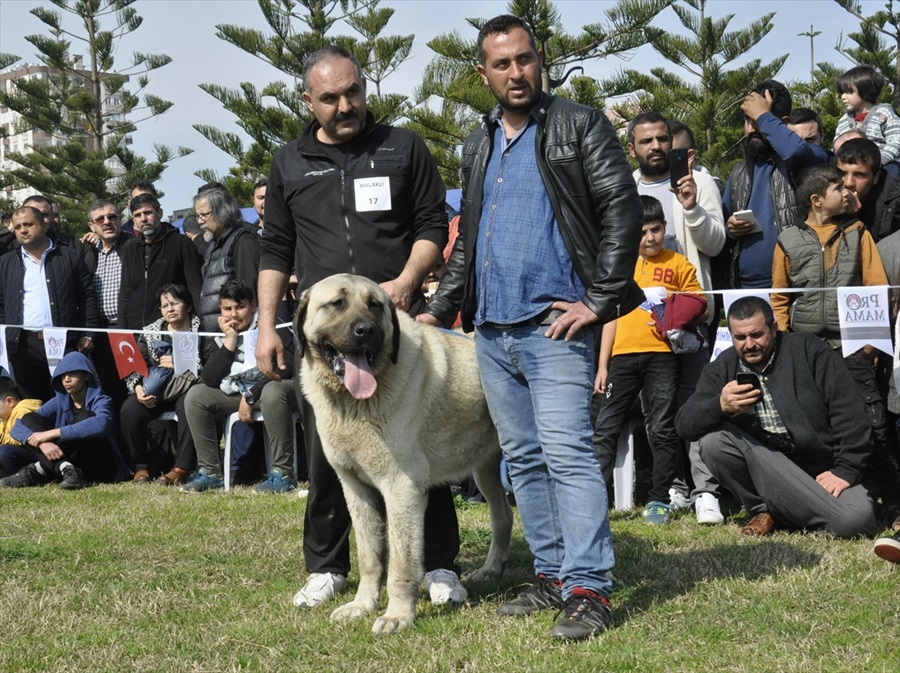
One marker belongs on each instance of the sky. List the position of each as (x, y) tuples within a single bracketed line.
[(186, 31)]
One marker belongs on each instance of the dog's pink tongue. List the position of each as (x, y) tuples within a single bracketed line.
[(358, 376)]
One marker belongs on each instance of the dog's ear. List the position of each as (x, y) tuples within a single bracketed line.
[(395, 340), (299, 319)]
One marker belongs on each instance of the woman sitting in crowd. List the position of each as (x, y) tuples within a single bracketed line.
[(161, 391)]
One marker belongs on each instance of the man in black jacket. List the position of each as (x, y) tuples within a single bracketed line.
[(780, 427), (547, 244), (876, 192), (42, 284), (158, 254), (351, 196)]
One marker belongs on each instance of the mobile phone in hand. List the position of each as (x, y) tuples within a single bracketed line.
[(748, 216), (752, 379), (678, 166)]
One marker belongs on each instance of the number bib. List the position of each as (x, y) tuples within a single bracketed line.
[(372, 194)]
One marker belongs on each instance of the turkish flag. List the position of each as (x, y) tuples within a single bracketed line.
[(126, 354)]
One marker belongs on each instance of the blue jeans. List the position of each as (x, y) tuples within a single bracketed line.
[(539, 395)]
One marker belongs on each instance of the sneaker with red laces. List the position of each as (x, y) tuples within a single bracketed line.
[(543, 594), (584, 614)]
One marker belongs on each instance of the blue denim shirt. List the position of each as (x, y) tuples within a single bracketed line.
[(523, 265)]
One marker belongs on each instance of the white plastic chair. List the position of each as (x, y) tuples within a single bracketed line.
[(623, 472), (257, 417)]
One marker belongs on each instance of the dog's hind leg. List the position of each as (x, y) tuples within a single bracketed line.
[(367, 514), (487, 477), (405, 503)]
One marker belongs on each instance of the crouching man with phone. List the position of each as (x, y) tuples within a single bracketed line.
[(781, 428)]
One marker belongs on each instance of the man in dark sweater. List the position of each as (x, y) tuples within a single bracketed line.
[(792, 463)]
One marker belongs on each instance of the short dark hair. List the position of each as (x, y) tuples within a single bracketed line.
[(653, 210), (868, 82), (145, 186), (38, 198), (330, 52), (180, 292), (677, 128), (237, 291), (97, 204), (208, 186), (261, 181), (781, 97), (9, 388), (503, 24), (142, 200), (647, 117), (860, 151), (26, 209), (191, 226), (804, 115), (745, 308), (815, 179)]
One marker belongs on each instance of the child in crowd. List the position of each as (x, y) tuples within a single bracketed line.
[(13, 405), (830, 250), (70, 435), (859, 88), (636, 355)]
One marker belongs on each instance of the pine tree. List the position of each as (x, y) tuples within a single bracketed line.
[(709, 100), (86, 110), (275, 113), (453, 97)]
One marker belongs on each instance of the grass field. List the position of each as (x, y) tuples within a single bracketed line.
[(124, 578)]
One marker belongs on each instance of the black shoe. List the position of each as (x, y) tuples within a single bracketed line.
[(584, 615), (27, 476), (541, 595), (72, 478)]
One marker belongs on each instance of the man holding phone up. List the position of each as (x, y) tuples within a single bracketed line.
[(692, 206), (792, 464)]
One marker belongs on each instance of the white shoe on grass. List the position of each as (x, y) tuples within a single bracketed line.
[(320, 588), (444, 587), (708, 511)]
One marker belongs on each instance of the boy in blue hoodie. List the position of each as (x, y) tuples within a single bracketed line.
[(71, 435)]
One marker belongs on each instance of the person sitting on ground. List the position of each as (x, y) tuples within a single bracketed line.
[(145, 405), (635, 355), (859, 88), (72, 435), (229, 386), (13, 405), (779, 428), (833, 251)]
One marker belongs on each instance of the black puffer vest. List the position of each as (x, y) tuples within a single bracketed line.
[(218, 269)]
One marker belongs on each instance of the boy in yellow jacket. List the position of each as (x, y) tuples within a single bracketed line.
[(13, 456)]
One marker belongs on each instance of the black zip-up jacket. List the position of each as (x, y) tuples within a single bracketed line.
[(594, 198), (311, 206), (69, 282), (146, 267)]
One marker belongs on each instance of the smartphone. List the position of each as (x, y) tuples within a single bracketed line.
[(678, 166), (752, 379), (749, 217)]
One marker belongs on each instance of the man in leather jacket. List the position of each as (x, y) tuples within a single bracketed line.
[(548, 240)]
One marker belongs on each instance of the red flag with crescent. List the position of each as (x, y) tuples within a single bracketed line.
[(126, 354)]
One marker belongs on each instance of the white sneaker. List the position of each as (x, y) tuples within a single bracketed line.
[(444, 587), (677, 500), (707, 508), (320, 588)]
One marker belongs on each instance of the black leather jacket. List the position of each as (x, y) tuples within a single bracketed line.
[(594, 198)]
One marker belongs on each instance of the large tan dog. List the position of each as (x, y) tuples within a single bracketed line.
[(399, 408)]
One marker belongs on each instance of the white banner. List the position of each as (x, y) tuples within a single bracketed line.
[(723, 342), (4, 355), (54, 346), (251, 336), (185, 347), (865, 318)]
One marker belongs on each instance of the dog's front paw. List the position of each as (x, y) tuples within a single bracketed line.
[(485, 574), (351, 610), (387, 624)]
